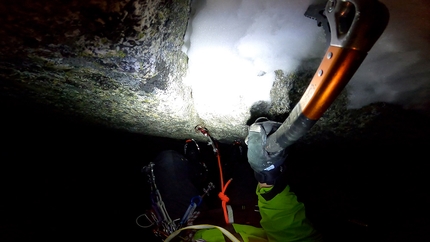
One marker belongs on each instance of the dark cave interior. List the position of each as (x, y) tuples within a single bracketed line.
[(64, 179)]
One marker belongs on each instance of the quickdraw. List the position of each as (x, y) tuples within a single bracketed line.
[(228, 215), (158, 214), (195, 202), (158, 217), (205, 132)]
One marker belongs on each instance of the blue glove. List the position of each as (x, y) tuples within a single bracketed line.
[(268, 167)]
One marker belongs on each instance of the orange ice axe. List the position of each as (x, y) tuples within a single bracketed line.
[(355, 26)]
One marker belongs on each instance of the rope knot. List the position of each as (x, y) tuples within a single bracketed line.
[(223, 197)]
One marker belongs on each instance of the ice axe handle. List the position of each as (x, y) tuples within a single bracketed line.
[(355, 27)]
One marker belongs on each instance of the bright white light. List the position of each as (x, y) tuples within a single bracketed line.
[(232, 42), (235, 47)]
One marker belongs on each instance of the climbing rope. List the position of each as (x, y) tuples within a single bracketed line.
[(158, 217), (228, 216), (204, 226)]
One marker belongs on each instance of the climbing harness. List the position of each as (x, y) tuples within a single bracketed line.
[(227, 210)]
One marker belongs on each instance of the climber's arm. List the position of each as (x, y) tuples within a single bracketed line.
[(283, 218)]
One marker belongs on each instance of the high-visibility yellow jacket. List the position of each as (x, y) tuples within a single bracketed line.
[(283, 219)]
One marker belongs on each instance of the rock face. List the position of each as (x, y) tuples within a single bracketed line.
[(119, 64), (112, 63)]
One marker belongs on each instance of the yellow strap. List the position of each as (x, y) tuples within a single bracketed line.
[(203, 226)]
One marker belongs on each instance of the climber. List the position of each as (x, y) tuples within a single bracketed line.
[(179, 178), (358, 25)]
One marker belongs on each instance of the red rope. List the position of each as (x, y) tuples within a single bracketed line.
[(224, 198)]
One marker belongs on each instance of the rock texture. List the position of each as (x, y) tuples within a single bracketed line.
[(112, 63), (115, 68), (119, 64)]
